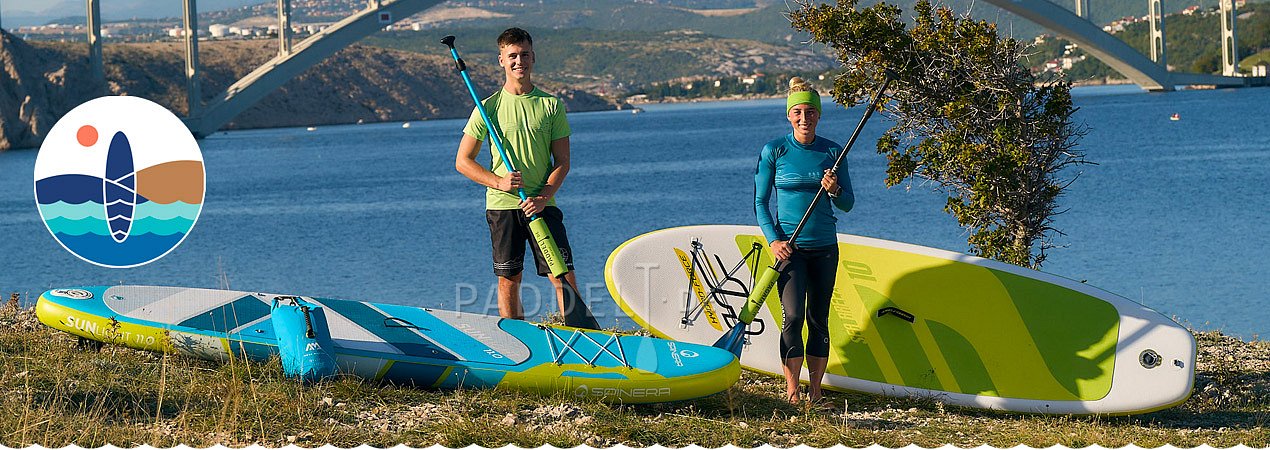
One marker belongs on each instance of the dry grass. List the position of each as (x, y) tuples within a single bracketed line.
[(55, 394)]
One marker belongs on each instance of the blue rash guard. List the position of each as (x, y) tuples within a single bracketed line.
[(794, 171)]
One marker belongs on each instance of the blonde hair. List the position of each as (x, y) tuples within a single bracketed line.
[(797, 84)]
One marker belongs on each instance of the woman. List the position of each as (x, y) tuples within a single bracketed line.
[(796, 166)]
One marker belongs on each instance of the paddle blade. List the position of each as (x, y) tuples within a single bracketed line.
[(733, 341), (576, 313)]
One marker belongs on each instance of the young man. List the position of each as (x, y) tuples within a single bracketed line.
[(536, 137)]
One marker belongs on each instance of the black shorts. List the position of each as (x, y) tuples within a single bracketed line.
[(508, 231)]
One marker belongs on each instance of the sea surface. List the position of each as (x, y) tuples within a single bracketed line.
[(1174, 215)]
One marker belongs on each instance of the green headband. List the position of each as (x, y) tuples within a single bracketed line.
[(798, 98)]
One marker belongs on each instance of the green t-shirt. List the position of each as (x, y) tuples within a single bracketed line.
[(529, 123)]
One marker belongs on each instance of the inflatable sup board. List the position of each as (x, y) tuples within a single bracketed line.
[(915, 321), (400, 344)]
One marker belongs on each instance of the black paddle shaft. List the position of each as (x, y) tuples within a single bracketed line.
[(877, 98)]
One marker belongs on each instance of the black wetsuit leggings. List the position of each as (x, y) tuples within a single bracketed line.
[(806, 286)]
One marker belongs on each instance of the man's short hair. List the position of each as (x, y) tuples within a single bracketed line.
[(514, 35)]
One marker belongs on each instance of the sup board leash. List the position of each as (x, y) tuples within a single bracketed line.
[(576, 313), (734, 338)]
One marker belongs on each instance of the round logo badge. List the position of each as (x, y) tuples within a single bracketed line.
[(77, 294), (119, 181)]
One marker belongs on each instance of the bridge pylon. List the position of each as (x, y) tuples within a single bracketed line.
[(95, 65), (1229, 47), (1156, 17)]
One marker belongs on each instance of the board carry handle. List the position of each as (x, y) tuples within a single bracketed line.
[(902, 314), (308, 322), (397, 322)]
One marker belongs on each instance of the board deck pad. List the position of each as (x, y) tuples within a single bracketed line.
[(907, 320), (400, 344)]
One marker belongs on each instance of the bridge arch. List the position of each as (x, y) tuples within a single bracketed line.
[(287, 65), (1108, 49)]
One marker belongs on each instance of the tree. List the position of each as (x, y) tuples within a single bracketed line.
[(967, 115)]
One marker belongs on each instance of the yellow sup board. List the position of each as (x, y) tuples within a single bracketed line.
[(914, 321)]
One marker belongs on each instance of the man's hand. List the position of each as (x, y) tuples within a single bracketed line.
[(782, 250), (533, 205), (510, 183)]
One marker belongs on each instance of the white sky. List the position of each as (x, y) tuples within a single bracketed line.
[(112, 9)]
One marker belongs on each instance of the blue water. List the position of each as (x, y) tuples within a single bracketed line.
[(1174, 215)]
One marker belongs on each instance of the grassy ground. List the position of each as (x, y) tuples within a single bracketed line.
[(54, 394)]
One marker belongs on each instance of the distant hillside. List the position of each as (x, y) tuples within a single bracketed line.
[(609, 61), (753, 20), (744, 20), (40, 82), (765, 22)]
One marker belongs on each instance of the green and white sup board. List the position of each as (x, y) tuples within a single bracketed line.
[(401, 344), (915, 321)]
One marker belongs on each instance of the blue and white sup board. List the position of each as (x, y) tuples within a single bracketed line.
[(402, 344)]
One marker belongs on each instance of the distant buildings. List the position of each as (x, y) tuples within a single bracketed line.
[(1261, 69)]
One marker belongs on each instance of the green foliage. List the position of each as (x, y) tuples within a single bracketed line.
[(1252, 60), (968, 115)]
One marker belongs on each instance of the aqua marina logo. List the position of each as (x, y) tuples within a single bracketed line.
[(119, 181)]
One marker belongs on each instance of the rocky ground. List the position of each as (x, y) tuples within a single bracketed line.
[(48, 390)]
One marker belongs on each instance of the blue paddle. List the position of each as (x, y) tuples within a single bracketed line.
[(576, 313)]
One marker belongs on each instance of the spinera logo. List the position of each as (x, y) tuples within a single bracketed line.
[(119, 181)]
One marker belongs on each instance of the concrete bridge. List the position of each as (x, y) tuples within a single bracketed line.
[(1150, 73), (292, 58)]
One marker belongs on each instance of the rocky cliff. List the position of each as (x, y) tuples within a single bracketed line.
[(38, 86), (40, 82)]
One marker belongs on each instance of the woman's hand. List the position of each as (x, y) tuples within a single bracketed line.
[(782, 250), (830, 183)]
